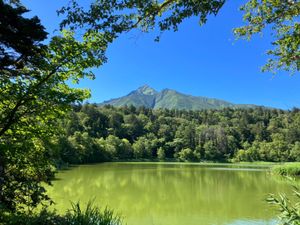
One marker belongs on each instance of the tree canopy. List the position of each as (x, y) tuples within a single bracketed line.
[(34, 96), (95, 134), (20, 38), (116, 17), (282, 17)]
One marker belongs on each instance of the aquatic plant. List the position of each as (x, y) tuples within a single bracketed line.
[(289, 209)]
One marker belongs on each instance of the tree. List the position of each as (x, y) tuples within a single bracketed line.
[(295, 152), (116, 17), (211, 151), (249, 152), (283, 19), (187, 133), (118, 148), (161, 154), (142, 148), (94, 122), (33, 97), (125, 150), (115, 123), (20, 37), (186, 154), (133, 126)]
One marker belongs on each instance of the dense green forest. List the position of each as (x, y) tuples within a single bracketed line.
[(95, 134)]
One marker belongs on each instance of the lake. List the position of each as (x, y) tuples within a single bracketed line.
[(173, 193)]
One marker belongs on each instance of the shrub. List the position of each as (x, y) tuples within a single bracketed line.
[(186, 154)]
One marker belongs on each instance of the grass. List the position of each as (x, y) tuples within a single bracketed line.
[(287, 169), (204, 163), (90, 215)]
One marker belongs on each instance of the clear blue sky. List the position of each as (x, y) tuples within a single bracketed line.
[(201, 61)]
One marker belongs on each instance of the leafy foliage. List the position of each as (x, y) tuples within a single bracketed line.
[(255, 134), (19, 36), (289, 212), (116, 17), (33, 97), (283, 18)]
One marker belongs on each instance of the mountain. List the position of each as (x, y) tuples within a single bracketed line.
[(170, 99), (143, 96)]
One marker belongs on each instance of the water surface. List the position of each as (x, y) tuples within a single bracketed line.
[(172, 194)]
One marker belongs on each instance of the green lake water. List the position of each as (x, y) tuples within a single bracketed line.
[(172, 194)]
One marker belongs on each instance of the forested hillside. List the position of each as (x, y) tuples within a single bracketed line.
[(95, 134)]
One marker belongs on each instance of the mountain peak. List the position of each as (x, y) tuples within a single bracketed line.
[(146, 90), (170, 99), (167, 90)]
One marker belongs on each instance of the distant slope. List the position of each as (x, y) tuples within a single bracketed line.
[(143, 96), (174, 100), (170, 99)]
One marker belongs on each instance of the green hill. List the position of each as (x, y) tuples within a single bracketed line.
[(170, 99)]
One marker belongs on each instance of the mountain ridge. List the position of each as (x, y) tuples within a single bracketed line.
[(170, 99)]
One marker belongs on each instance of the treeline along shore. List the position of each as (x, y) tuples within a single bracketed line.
[(94, 134)]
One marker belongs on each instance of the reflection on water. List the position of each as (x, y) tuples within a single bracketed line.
[(172, 194)]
